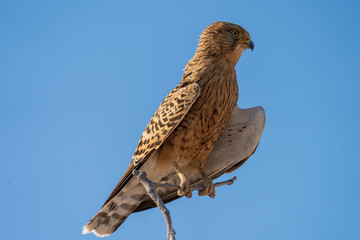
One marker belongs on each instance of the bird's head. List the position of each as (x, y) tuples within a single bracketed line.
[(225, 41)]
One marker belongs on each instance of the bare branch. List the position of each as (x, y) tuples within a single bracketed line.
[(197, 187), (149, 186), (150, 189)]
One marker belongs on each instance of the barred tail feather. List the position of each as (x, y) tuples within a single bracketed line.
[(115, 212)]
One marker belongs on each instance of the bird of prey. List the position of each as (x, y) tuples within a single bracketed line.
[(185, 128)]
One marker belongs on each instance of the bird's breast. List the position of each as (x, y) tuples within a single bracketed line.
[(203, 125)]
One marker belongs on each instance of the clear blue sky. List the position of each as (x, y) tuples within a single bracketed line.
[(79, 81)]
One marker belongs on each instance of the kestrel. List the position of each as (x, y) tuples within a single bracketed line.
[(185, 128)]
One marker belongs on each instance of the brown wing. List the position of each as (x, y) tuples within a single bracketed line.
[(168, 116)]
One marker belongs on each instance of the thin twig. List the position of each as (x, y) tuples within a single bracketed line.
[(149, 186), (197, 187)]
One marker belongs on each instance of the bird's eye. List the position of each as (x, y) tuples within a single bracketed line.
[(235, 33)]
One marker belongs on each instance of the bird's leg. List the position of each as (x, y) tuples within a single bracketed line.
[(184, 188), (208, 184)]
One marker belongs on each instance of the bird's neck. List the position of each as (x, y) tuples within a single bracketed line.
[(234, 56), (202, 70)]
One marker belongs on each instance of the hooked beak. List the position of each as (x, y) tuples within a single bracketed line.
[(250, 45)]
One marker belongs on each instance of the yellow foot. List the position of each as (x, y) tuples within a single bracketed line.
[(184, 189), (209, 188)]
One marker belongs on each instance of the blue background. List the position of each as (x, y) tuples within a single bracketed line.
[(79, 81)]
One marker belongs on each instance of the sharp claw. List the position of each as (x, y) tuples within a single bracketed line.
[(212, 191), (189, 194), (181, 193)]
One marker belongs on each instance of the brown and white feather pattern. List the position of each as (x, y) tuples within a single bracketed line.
[(117, 209), (168, 116), (187, 124)]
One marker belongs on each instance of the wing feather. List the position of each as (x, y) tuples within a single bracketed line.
[(167, 117)]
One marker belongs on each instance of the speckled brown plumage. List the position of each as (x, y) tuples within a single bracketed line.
[(186, 126)]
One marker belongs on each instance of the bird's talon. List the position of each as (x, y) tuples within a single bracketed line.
[(209, 188), (184, 189)]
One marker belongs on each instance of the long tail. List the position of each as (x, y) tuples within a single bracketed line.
[(115, 212)]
